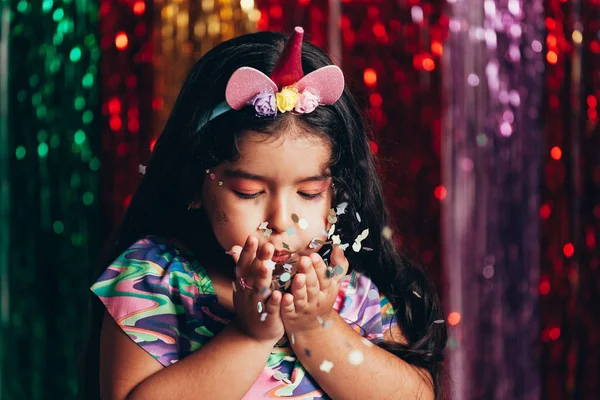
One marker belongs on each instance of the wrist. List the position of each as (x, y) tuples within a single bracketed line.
[(260, 341)]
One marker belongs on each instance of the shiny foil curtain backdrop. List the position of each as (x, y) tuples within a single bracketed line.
[(485, 123)]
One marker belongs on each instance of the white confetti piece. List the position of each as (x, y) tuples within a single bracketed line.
[(438, 321), (259, 307), (356, 246), (289, 359), (336, 239), (356, 357), (320, 320), (331, 230), (341, 208), (417, 294), (263, 225), (367, 249), (263, 316), (344, 246), (327, 252), (142, 169), (293, 339), (386, 232), (326, 366), (373, 294), (358, 217), (290, 231), (268, 232), (285, 277), (303, 223), (270, 264), (287, 267)]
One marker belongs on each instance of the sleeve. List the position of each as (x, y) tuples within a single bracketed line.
[(157, 298), (364, 308)]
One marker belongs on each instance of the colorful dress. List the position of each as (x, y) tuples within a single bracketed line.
[(165, 302)]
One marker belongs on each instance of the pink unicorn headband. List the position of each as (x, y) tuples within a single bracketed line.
[(288, 89)]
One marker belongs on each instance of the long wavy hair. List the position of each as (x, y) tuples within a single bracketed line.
[(176, 170)]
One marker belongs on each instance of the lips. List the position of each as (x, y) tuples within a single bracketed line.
[(281, 256)]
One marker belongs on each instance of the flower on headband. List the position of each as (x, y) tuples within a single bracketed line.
[(264, 104), (286, 99), (307, 102)]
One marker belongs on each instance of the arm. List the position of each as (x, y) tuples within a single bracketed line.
[(390, 376), (225, 368)]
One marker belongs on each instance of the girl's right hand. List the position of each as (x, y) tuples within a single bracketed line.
[(257, 310)]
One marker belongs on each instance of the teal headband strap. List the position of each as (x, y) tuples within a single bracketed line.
[(221, 108)]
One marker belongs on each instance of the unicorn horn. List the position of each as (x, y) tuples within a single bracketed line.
[(289, 66)]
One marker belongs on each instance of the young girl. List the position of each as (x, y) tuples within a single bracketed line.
[(254, 260)]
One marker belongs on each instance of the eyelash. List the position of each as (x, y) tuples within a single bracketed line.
[(252, 196)]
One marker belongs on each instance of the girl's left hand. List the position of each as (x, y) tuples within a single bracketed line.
[(313, 293)]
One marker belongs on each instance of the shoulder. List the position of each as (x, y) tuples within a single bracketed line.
[(151, 263)]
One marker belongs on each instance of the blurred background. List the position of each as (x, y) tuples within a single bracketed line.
[(485, 122)]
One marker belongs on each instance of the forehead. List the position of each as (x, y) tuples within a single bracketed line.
[(284, 156)]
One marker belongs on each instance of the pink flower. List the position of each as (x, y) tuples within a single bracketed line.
[(307, 102)]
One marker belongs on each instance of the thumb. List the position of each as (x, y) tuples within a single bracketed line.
[(339, 258)]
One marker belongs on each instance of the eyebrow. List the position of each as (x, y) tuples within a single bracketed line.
[(238, 173)]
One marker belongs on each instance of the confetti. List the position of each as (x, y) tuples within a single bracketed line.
[(356, 246), (259, 307), (285, 246), (327, 324), (287, 267), (320, 320), (331, 230), (268, 232), (270, 264), (290, 231), (213, 176), (336, 239), (265, 291), (387, 232), (289, 359), (373, 294), (278, 375), (329, 272), (367, 342), (338, 270), (307, 352), (234, 288), (417, 294), (326, 366), (293, 339), (327, 252), (341, 208), (344, 246), (142, 169), (303, 223), (295, 218), (285, 277), (220, 183), (263, 225), (332, 219), (362, 236), (263, 316), (356, 357), (367, 249), (438, 321), (358, 217)]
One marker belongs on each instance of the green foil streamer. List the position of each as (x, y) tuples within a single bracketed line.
[(50, 148)]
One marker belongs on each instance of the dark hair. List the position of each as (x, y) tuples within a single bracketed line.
[(181, 155)]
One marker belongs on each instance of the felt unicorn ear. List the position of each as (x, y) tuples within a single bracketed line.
[(327, 83), (244, 84)]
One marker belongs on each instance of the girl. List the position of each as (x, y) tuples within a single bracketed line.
[(254, 260)]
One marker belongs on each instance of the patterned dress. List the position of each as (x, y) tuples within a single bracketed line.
[(165, 302)]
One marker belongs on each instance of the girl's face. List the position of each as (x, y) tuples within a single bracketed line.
[(273, 179)]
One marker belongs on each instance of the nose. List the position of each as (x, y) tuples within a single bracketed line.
[(279, 215)]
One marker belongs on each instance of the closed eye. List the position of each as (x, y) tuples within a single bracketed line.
[(247, 196), (311, 196)]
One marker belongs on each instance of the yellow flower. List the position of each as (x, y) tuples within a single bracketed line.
[(286, 99)]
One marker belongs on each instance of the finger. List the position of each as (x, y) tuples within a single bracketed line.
[(320, 270), (258, 272), (299, 292), (287, 305), (338, 258), (263, 280), (274, 303), (235, 252), (247, 255)]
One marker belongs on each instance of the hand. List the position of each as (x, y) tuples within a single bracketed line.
[(256, 308), (313, 293)]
